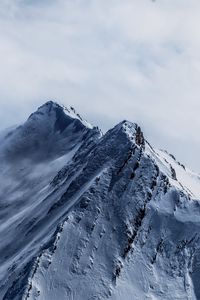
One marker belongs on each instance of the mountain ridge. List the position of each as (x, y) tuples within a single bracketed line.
[(113, 218)]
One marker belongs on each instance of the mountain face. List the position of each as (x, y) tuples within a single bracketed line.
[(91, 216)]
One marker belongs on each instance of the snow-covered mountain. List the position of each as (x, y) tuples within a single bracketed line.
[(91, 216)]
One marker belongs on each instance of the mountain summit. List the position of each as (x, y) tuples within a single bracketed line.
[(50, 132), (91, 216)]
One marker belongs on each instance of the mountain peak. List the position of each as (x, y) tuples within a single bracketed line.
[(133, 131), (51, 106), (49, 103), (51, 131)]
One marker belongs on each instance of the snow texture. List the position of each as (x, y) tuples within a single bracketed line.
[(91, 216)]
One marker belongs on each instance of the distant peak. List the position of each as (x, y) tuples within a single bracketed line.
[(50, 102), (47, 107), (51, 106)]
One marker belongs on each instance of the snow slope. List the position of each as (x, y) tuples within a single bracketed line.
[(86, 216)]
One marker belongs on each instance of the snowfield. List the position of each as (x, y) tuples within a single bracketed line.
[(91, 216)]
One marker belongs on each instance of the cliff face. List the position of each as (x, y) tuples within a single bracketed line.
[(86, 216)]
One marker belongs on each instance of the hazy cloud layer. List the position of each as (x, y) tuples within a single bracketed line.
[(110, 59)]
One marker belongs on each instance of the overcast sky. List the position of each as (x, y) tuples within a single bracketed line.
[(110, 59)]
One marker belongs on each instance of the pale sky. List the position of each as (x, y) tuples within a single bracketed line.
[(111, 60)]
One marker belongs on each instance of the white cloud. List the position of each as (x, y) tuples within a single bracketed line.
[(134, 59)]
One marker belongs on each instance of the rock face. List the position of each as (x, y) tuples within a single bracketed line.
[(86, 216)]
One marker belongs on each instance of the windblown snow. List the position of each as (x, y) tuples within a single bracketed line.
[(91, 216)]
